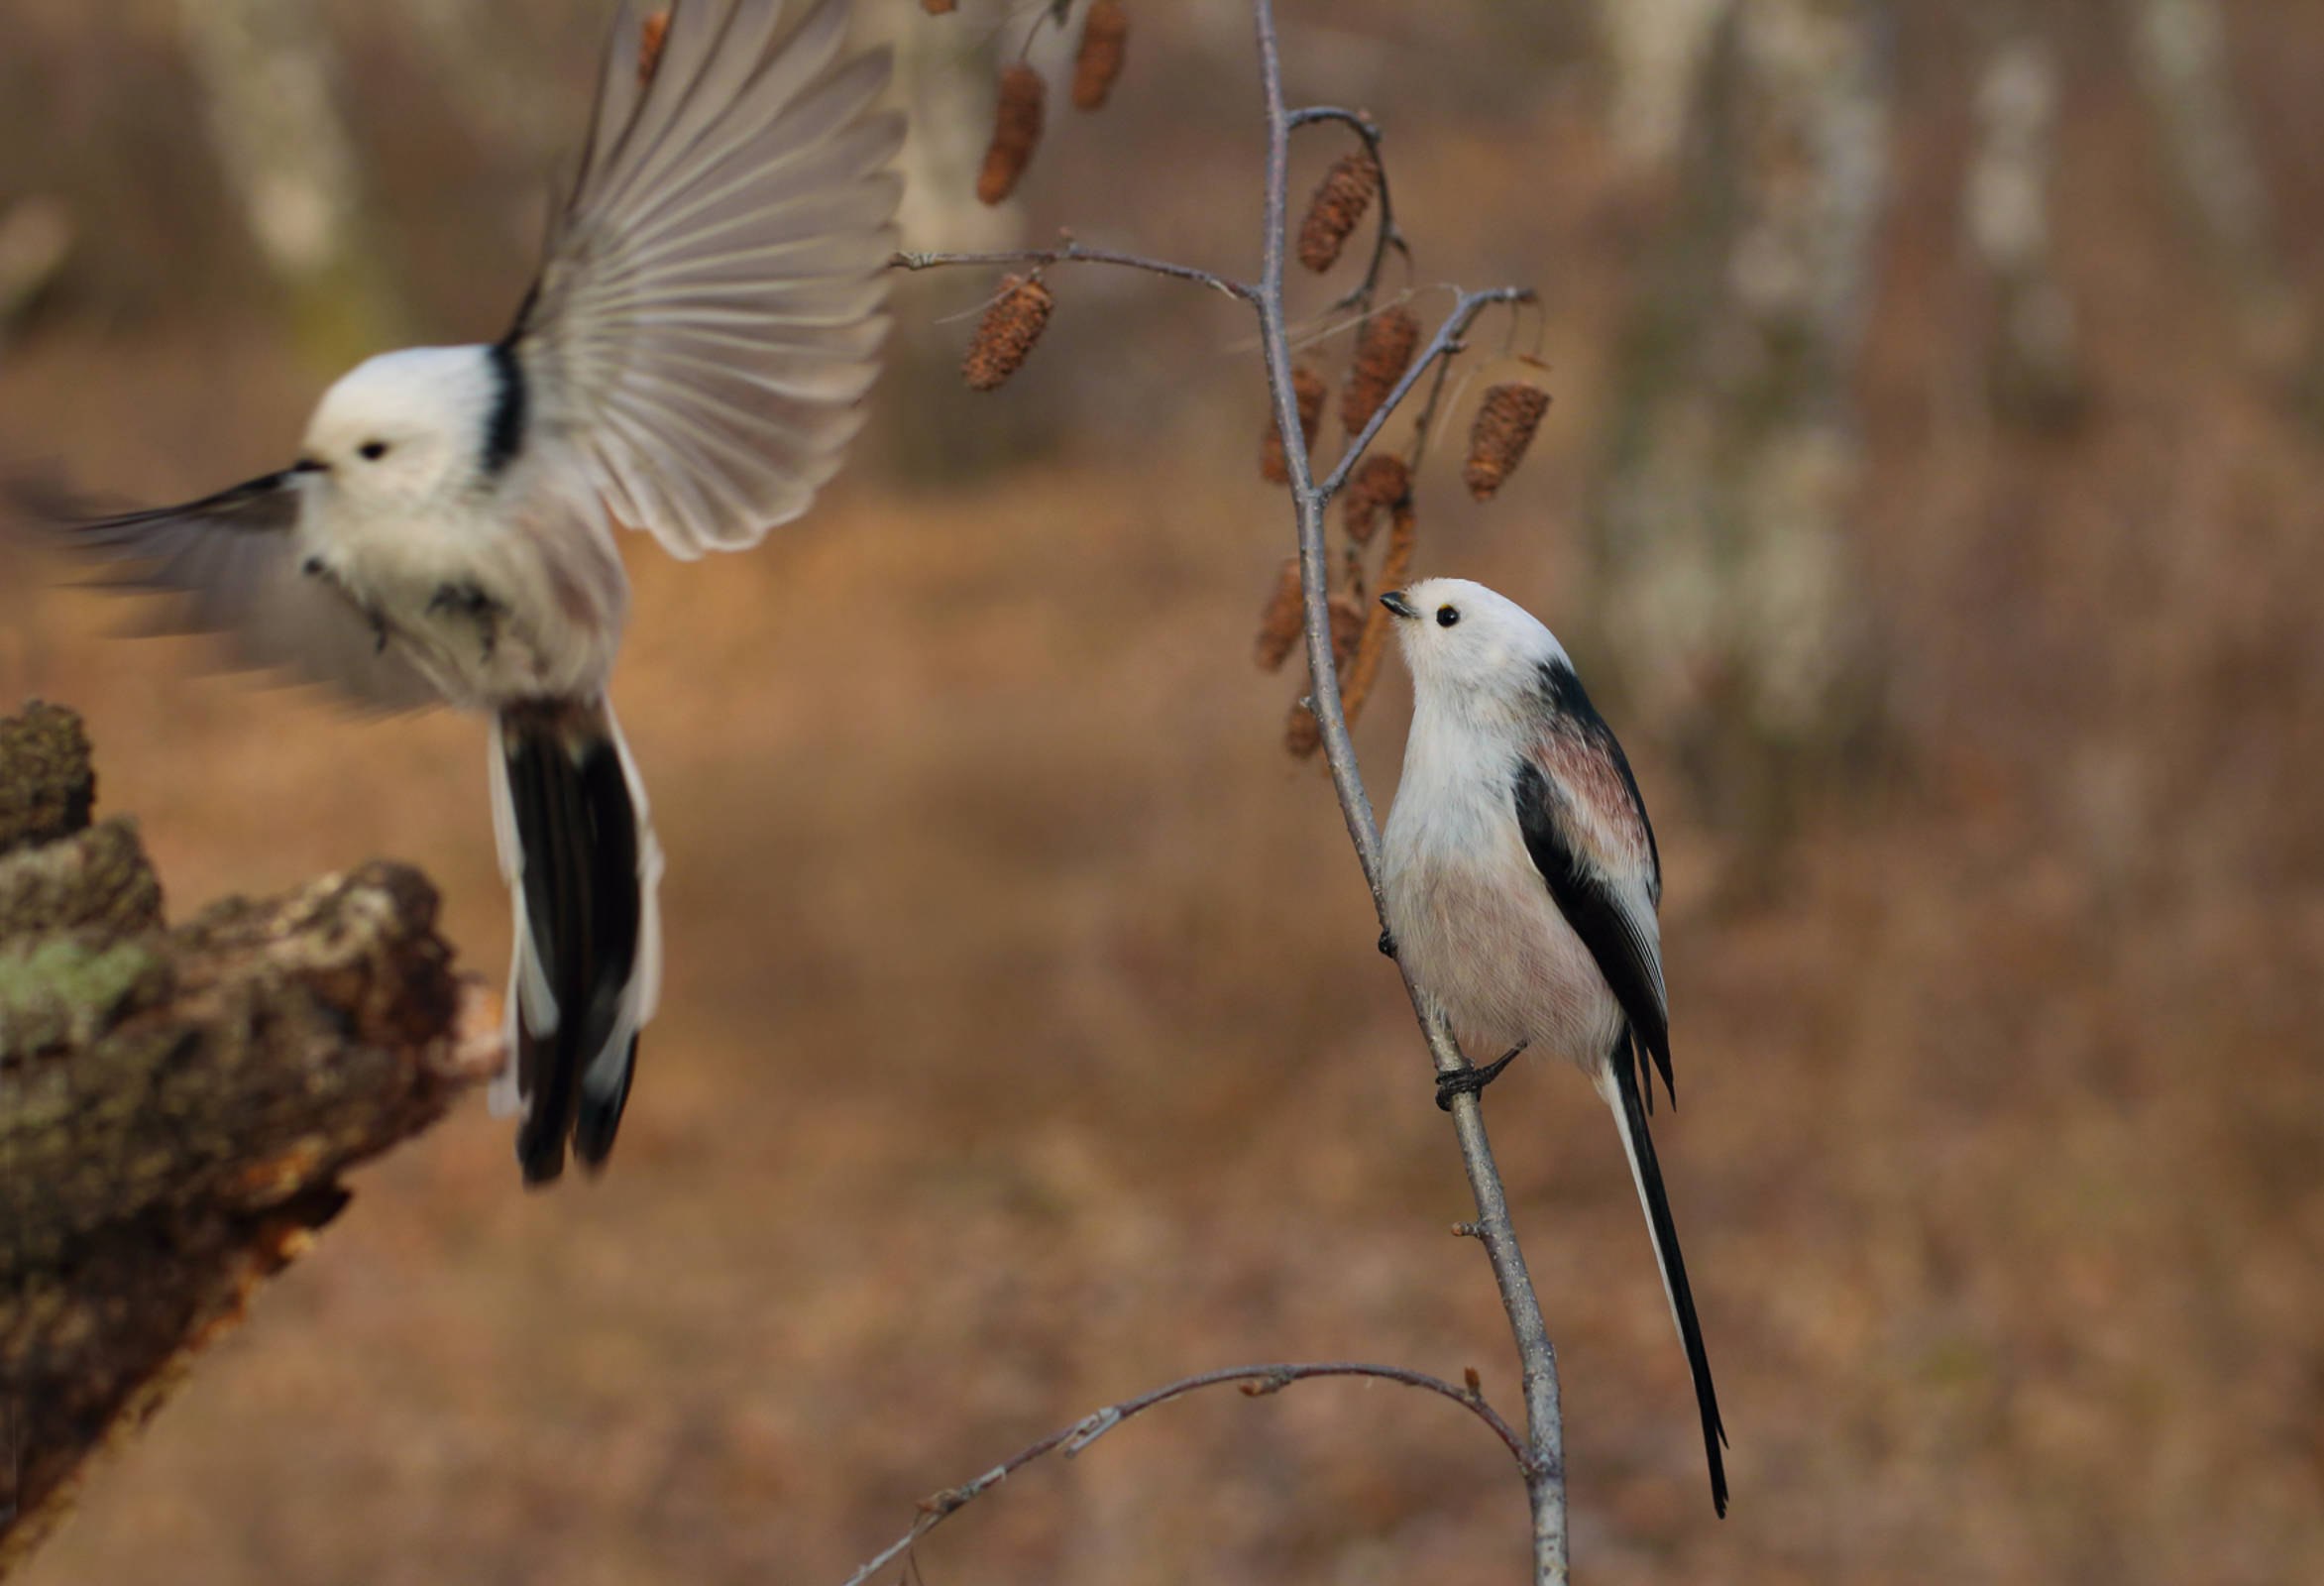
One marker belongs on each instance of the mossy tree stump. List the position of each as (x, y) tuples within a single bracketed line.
[(177, 1106)]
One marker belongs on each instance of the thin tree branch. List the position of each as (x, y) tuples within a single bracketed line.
[(1446, 345), (1257, 1381), (1072, 253), (1545, 1484)]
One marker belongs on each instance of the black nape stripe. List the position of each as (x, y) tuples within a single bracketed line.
[(512, 404), (1562, 687)]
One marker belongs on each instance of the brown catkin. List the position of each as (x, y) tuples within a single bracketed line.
[(1302, 733), (1337, 209), (1280, 624), (650, 39), (1309, 390), (1384, 350), (1504, 429), (1016, 133), (1104, 32), (1395, 568), (1007, 332), (1380, 482)]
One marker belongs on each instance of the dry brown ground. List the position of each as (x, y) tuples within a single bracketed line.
[(1024, 1043)]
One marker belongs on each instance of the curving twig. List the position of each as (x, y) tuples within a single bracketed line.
[(1257, 1381), (1542, 1456), (1385, 236)]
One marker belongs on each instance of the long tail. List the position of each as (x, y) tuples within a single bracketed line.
[(1619, 1083), (580, 856)]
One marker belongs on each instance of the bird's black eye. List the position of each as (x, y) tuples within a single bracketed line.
[(1447, 616), (372, 451)]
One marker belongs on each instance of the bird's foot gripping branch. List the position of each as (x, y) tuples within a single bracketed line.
[(177, 1106)]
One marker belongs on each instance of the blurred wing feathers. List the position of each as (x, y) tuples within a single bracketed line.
[(234, 558)]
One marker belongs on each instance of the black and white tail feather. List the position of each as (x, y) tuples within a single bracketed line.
[(1619, 1083), (578, 855)]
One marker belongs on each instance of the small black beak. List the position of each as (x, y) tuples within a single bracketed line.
[(310, 464), (1394, 600)]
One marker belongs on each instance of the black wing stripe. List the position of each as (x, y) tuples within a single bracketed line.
[(1594, 913)]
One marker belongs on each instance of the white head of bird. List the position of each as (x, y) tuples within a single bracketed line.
[(404, 430), (1460, 640)]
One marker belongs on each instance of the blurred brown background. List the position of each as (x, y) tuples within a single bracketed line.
[(1935, 495)]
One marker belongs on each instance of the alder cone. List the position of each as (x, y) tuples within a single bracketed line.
[(1105, 32), (1340, 203), (1309, 390), (1017, 124), (1384, 350), (1504, 428), (1006, 334), (1380, 482), (1302, 733), (1283, 621), (1395, 568)]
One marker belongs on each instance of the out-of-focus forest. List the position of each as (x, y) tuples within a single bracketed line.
[(1933, 498)]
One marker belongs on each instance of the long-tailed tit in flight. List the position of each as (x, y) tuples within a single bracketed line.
[(1520, 884), (690, 361)]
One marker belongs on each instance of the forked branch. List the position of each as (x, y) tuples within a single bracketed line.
[(1539, 1452)]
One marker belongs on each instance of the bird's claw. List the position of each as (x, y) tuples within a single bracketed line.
[(1472, 1081)]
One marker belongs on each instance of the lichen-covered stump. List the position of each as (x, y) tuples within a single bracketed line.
[(177, 1106)]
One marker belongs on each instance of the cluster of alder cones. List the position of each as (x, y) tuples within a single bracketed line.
[(1017, 318), (1023, 107), (1379, 488), (1379, 491)]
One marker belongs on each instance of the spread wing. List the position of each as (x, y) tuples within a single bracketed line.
[(234, 560), (1586, 828), (709, 316)]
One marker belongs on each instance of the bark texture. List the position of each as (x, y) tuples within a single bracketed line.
[(1727, 503), (177, 1107)]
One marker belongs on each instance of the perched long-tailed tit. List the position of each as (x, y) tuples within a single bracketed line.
[(1521, 879), (691, 362)]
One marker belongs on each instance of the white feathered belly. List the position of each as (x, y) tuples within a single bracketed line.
[(554, 634), (1479, 933)]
